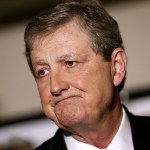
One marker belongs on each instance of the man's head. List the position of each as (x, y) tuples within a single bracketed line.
[(75, 52), (94, 20)]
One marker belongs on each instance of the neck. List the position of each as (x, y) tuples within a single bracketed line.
[(101, 134)]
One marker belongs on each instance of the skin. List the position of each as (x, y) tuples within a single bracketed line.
[(77, 86)]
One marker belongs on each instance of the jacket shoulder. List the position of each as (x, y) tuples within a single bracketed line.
[(140, 128), (55, 143)]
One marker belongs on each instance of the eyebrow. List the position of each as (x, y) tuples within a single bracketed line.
[(70, 55), (65, 56), (40, 62), (43, 62)]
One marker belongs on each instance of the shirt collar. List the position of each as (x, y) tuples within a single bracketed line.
[(123, 138), (121, 141)]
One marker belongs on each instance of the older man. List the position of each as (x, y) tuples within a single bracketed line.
[(76, 54)]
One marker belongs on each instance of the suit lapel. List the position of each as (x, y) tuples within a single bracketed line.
[(140, 128), (58, 142)]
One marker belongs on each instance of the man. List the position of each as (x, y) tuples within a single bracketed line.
[(76, 54)]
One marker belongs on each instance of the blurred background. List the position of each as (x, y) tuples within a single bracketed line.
[(21, 118)]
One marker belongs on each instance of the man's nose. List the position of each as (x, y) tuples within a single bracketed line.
[(58, 83)]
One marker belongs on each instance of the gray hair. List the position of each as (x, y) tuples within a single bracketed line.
[(102, 29)]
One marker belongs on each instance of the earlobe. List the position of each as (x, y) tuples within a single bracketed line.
[(119, 63)]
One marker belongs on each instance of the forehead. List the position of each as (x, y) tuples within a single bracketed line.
[(72, 29), (69, 36)]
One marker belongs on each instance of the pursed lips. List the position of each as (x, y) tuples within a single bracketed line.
[(56, 100)]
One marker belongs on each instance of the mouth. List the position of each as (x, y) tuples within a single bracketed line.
[(67, 98)]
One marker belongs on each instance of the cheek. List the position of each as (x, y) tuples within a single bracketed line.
[(45, 100), (98, 83), (87, 80), (80, 82), (44, 93)]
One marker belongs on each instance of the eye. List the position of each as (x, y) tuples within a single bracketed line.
[(71, 63), (42, 72)]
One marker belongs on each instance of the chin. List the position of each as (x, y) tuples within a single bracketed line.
[(70, 118)]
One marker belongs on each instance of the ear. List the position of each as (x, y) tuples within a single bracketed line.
[(119, 64)]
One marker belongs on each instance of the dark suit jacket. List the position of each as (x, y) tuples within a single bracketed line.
[(140, 127)]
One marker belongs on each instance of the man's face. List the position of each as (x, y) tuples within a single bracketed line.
[(75, 84)]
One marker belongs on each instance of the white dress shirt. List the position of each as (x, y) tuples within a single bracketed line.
[(121, 141)]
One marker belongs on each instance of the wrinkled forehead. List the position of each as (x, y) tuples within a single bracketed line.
[(67, 40), (69, 33), (75, 22)]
